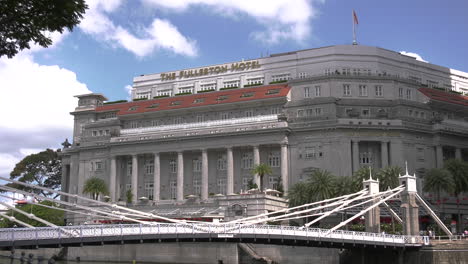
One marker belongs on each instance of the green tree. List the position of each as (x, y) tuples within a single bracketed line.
[(388, 177), (344, 185), (95, 187), (54, 216), (42, 169), (299, 194), (262, 169), (459, 171), (24, 22), (438, 181), (322, 185), (359, 177), (251, 185)]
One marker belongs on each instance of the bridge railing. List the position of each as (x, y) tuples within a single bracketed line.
[(122, 230)]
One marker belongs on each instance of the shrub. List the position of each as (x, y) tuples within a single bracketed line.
[(229, 88), (184, 93), (281, 81), (116, 102), (140, 99), (160, 96), (255, 84), (206, 91)]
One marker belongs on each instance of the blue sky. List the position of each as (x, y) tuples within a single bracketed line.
[(120, 39)]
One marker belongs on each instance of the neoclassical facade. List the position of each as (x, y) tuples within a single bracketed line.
[(201, 131)]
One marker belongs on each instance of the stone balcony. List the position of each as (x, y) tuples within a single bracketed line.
[(235, 125)]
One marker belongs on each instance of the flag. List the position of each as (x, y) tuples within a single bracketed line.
[(355, 19)]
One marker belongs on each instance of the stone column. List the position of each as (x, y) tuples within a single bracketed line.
[(458, 153), (373, 216), (384, 153), (355, 155), (409, 208), (439, 157), (135, 178), (204, 175), (396, 153), (256, 157), (285, 167), (113, 178), (157, 178), (230, 172), (180, 176)]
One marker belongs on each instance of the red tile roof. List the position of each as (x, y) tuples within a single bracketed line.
[(196, 100), (443, 96)]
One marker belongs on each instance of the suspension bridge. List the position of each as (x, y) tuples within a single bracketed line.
[(255, 229)]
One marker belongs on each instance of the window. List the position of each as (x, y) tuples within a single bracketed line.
[(200, 118), (318, 111), (249, 94), (221, 162), (328, 72), (410, 112), (95, 133), (154, 122), (245, 183), (400, 92), (309, 112), (197, 165), (134, 124), (178, 120), (153, 106), (310, 153), (300, 113), (408, 94), (302, 75), (221, 186), (129, 168), (274, 159), (197, 186), (362, 90), (365, 158), (175, 103), (172, 166), (255, 81), (275, 110), (306, 92), (378, 91), (346, 90), (247, 160), (346, 71), (272, 91), (420, 154), (280, 77), (173, 186), (222, 98), (432, 84), (165, 93), (318, 90), (146, 95), (149, 188), (199, 100), (207, 86), (186, 89), (98, 166), (365, 112), (273, 182), (356, 71), (225, 116), (248, 113), (422, 115), (149, 166), (231, 84)]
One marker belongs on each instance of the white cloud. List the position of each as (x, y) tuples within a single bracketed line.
[(160, 34), (129, 89), (414, 55), (283, 19), (35, 105)]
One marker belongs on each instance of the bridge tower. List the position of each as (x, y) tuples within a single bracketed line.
[(373, 216), (409, 207)]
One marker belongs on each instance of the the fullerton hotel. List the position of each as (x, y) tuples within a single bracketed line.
[(201, 131)]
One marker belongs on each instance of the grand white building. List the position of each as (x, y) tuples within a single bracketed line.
[(200, 131)]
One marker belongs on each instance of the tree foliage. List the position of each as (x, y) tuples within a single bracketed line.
[(54, 216), (95, 186), (438, 181), (43, 169), (24, 22), (388, 177), (262, 169), (459, 171)]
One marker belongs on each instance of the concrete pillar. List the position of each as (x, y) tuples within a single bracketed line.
[(135, 178), (373, 216), (355, 148), (396, 153), (458, 154), (384, 153), (180, 176), (409, 207), (113, 178), (439, 157), (256, 156), (285, 167), (157, 178), (204, 175), (230, 172)]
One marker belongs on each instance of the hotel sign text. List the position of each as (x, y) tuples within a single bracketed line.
[(238, 66)]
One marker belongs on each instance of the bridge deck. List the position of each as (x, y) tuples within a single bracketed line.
[(267, 234)]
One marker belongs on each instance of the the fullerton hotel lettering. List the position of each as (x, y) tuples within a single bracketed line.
[(238, 66)]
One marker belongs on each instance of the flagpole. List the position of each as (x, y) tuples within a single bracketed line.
[(354, 27)]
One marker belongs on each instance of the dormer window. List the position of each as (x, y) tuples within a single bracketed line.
[(199, 100), (175, 103), (272, 91), (248, 94), (153, 106), (133, 108), (222, 97)]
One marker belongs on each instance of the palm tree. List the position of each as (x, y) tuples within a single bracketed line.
[(437, 181), (388, 177), (299, 194), (344, 185), (459, 171), (95, 186), (359, 177), (262, 169), (322, 185)]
